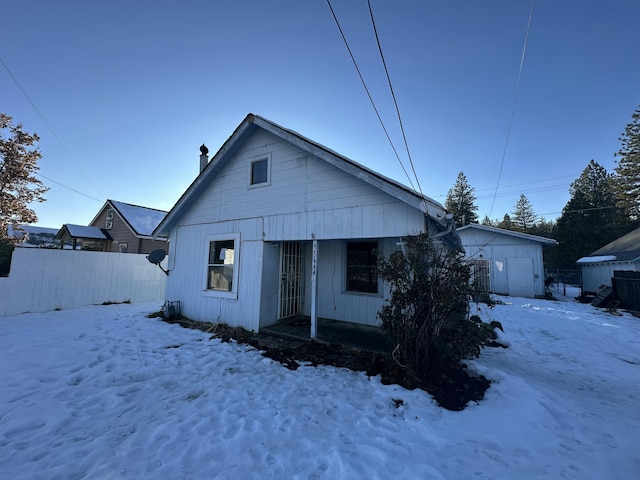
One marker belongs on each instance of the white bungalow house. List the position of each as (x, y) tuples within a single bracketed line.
[(276, 226), (622, 254), (505, 262)]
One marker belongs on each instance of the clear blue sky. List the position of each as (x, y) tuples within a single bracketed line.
[(127, 91)]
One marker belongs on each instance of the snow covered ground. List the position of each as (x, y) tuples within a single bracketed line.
[(105, 393)]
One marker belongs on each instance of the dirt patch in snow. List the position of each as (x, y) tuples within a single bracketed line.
[(452, 389)]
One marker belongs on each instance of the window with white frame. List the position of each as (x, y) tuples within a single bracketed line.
[(362, 266), (260, 171), (221, 267)]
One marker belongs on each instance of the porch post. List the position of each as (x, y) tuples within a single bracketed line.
[(314, 288)]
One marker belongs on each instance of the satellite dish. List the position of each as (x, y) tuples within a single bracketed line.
[(156, 257)]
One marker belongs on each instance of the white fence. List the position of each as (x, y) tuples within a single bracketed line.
[(42, 280)]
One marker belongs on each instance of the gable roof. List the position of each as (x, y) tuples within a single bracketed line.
[(624, 249), (142, 221), (69, 230), (251, 122), (509, 233)]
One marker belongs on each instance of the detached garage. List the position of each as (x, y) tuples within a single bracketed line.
[(505, 262)]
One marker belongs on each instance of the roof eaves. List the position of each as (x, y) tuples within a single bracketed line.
[(213, 167), (502, 231), (388, 185)]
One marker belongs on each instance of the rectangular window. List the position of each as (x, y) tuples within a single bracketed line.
[(221, 265), (260, 171), (362, 266)]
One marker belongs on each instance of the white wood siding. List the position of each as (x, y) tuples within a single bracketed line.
[(188, 271), (334, 302), (305, 196), (600, 274)]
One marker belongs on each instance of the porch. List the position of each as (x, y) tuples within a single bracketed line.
[(358, 336)]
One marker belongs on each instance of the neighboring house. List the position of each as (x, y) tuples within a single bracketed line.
[(505, 262), (118, 227), (36, 237), (277, 226), (82, 237), (622, 254)]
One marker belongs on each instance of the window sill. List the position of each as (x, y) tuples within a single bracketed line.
[(220, 294), (363, 294)]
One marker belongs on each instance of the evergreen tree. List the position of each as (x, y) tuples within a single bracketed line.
[(524, 218), (544, 228), (18, 186), (627, 177), (487, 222), (506, 223), (460, 202), (589, 219)]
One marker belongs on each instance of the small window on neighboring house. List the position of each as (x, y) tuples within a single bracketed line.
[(108, 223), (221, 265), (122, 247), (260, 171), (362, 267)]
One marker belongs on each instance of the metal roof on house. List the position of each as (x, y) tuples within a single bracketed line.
[(142, 220), (82, 231), (624, 249), (426, 204)]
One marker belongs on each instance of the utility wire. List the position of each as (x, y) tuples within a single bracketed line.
[(69, 188), (579, 210), (521, 192), (513, 107), (393, 95), (50, 128), (355, 64)]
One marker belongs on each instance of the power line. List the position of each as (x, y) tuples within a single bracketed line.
[(393, 95), (69, 188), (355, 64), (521, 192), (50, 128), (440, 195), (580, 210), (515, 99), (531, 183)]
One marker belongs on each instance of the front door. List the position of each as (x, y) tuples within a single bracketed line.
[(290, 279)]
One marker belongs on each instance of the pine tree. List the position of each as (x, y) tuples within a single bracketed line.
[(487, 222), (460, 202), (524, 218), (627, 171), (18, 185), (589, 219), (506, 223)]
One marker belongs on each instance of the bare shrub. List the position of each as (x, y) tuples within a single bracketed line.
[(427, 314)]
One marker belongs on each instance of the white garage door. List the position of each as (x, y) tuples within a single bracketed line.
[(520, 277)]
